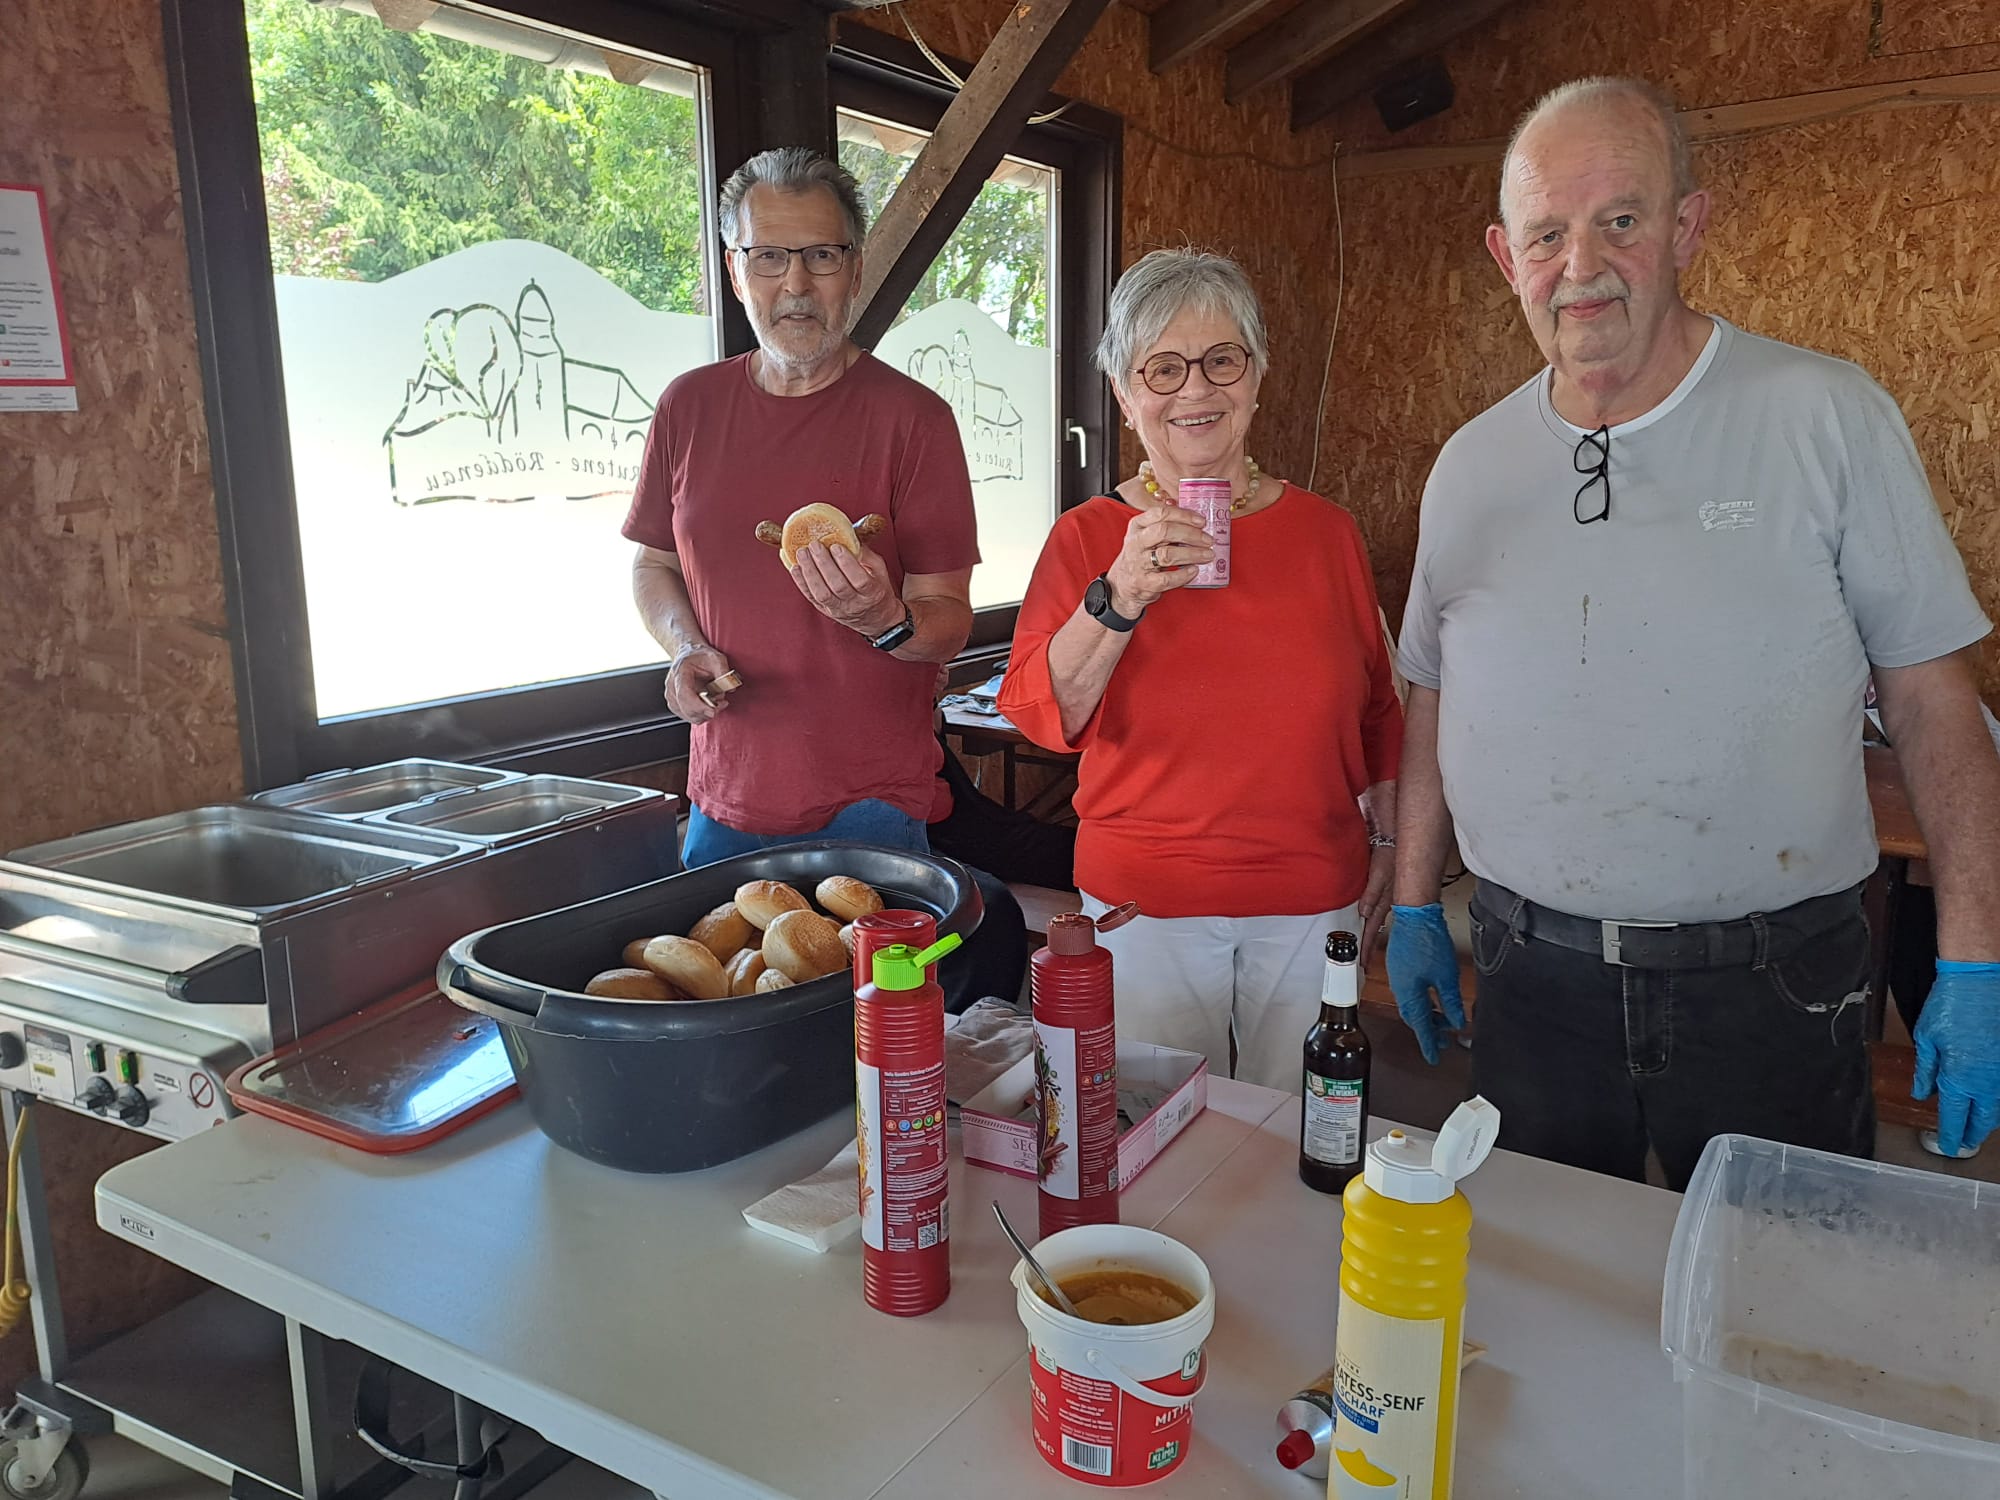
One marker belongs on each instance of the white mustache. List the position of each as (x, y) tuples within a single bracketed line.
[(786, 307), (1605, 286)]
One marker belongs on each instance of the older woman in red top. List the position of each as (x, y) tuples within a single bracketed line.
[(1239, 744)]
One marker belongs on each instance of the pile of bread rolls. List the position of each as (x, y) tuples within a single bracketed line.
[(766, 937)]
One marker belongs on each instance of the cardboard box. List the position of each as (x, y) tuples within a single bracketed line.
[(1160, 1089)]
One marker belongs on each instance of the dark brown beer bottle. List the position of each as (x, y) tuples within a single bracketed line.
[(1334, 1132)]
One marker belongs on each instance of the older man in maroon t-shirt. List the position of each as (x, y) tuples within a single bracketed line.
[(830, 733)]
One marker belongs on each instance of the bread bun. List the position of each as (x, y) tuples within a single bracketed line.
[(635, 953), (772, 979), (847, 939), (744, 970), (803, 945), (631, 984), (815, 523), (761, 900), (847, 898), (688, 966), (722, 931)]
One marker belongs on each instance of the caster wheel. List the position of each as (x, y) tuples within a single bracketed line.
[(63, 1482)]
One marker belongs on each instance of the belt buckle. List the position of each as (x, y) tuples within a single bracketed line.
[(1613, 943)]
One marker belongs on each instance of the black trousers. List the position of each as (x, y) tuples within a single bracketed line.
[(1589, 1062)]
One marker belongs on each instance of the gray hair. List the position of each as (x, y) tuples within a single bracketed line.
[(791, 169), (1680, 156), (1157, 287)]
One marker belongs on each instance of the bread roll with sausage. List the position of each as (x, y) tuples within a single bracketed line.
[(631, 984), (847, 898), (803, 945), (771, 979), (761, 900), (723, 931), (817, 522), (688, 966), (744, 970)]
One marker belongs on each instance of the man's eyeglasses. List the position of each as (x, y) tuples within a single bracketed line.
[(1593, 457), (1225, 364), (772, 261)]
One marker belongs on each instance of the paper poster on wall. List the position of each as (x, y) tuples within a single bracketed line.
[(35, 369)]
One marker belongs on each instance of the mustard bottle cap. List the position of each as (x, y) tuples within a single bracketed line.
[(901, 967), (1417, 1169)]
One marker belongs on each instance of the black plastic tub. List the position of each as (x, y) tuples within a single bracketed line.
[(680, 1085)]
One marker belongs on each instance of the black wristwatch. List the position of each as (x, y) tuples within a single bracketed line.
[(1097, 604), (896, 634)]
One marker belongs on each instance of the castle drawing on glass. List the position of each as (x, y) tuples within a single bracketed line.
[(988, 421), (498, 411)]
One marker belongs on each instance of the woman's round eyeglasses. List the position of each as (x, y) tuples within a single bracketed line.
[(772, 261), (1224, 364)]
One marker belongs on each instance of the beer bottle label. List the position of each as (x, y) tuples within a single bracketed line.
[(1333, 1119)]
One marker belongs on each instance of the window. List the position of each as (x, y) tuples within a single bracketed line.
[(432, 342), (978, 332), (490, 251), (1004, 320)]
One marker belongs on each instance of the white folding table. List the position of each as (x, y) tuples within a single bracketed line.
[(640, 1323)]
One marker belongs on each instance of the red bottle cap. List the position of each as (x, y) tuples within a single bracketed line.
[(1071, 933), (1296, 1448)]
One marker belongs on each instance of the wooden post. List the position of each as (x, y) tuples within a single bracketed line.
[(1295, 42), (1034, 43), (1179, 30)]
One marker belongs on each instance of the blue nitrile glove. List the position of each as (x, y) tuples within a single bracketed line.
[(1958, 1049), (1422, 959)]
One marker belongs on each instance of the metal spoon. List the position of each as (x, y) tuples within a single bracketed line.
[(1034, 1266)]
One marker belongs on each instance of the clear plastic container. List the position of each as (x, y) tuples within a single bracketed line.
[(1835, 1328)]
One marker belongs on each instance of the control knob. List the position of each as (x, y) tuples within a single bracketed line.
[(96, 1096), (133, 1107)]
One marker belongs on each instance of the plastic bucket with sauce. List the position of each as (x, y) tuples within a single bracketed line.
[(1114, 1404)]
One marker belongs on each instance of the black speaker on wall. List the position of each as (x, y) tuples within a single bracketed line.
[(1414, 94)]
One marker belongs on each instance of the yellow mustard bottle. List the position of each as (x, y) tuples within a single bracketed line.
[(1406, 1238)]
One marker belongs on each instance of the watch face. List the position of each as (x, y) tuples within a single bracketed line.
[(1096, 598)]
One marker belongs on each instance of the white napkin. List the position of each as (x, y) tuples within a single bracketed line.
[(822, 1210), (988, 1039), (819, 1211)]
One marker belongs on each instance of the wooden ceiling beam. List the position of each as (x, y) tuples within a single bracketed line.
[(1184, 27), (1354, 72), (1020, 65), (1295, 42)]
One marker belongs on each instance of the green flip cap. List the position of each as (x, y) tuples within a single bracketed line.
[(901, 967)]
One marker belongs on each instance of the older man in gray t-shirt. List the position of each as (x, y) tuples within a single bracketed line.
[(1650, 587)]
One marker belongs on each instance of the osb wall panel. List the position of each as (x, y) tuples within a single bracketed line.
[(1869, 237), (1200, 171), (115, 688), (116, 698)]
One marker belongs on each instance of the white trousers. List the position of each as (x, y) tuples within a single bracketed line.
[(1192, 982)]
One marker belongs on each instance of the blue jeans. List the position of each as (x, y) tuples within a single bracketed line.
[(871, 822)]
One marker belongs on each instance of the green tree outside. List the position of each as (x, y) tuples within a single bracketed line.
[(384, 150)]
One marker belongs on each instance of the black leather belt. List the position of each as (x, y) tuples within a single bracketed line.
[(1755, 939)]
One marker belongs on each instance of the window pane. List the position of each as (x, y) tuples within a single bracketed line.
[(490, 259), (977, 331)]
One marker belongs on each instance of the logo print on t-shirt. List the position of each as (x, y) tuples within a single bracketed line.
[(1727, 515)]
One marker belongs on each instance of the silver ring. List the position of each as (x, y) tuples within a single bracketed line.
[(1154, 557)]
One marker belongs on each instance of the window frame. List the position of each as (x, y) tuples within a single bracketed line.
[(607, 721), (874, 73), (583, 725)]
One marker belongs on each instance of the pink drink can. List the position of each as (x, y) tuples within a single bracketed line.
[(1210, 499)]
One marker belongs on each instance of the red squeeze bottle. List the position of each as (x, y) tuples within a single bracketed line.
[(1076, 1074), (904, 1166), (879, 929)]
